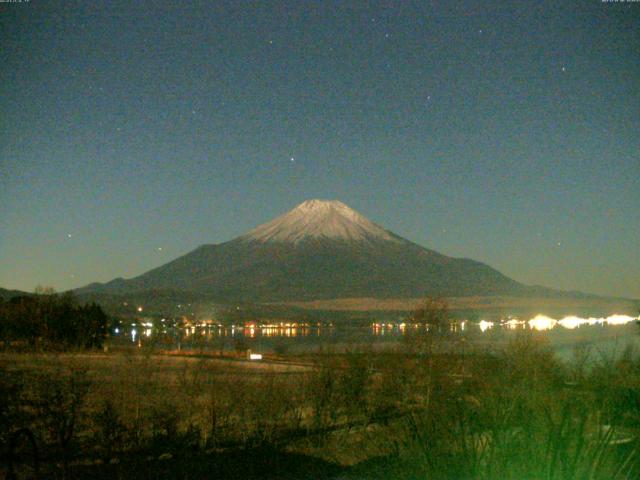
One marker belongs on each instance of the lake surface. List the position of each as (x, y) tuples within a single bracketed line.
[(604, 336)]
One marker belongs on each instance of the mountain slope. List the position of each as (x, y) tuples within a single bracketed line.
[(318, 250), (7, 294)]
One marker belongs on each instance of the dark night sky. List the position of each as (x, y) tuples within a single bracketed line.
[(507, 132)]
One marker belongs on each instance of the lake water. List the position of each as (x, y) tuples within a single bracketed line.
[(604, 336)]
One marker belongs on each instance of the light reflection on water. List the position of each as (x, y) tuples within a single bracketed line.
[(538, 323), (484, 325), (210, 332), (542, 322)]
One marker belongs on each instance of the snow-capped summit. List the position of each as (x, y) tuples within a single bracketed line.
[(319, 219)]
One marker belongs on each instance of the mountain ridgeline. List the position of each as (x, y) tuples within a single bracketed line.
[(319, 250)]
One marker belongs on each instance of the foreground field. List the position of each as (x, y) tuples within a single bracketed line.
[(408, 413)]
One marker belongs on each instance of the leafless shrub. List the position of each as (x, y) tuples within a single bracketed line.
[(58, 399), (514, 417), (110, 432)]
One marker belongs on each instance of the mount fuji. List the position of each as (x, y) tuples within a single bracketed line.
[(319, 250)]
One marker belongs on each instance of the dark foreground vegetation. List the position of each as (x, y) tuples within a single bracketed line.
[(516, 413)]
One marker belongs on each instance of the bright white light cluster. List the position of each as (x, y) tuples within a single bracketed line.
[(513, 323), (484, 325), (542, 322)]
